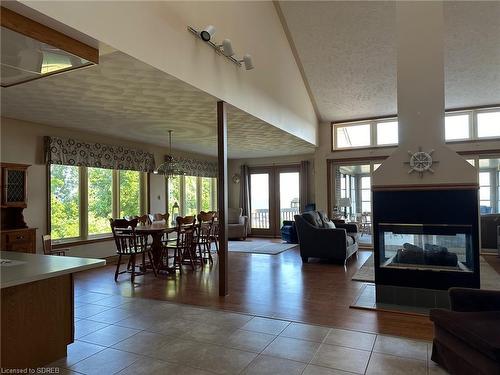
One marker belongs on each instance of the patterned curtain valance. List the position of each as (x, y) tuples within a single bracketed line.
[(69, 151), (194, 167)]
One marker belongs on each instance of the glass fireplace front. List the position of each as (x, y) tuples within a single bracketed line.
[(435, 247)]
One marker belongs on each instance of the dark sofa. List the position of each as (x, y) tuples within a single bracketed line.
[(319, 237), (467, 338)]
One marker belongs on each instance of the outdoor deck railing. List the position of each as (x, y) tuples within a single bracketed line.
[(260, 217)]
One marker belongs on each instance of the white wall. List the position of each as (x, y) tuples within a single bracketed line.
[(420, 62), (155, 32), (22, 142)]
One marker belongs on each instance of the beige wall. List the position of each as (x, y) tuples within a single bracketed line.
[(234, 167), (22, 142), (155, 32)]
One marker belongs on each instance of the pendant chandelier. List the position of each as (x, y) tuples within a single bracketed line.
[(170, 167)]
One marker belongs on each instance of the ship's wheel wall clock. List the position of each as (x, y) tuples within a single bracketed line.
[(421, 162)]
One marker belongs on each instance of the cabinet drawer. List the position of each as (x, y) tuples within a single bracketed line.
[(19, 240), (21, 236)]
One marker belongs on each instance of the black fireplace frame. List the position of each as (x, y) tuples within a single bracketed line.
[(438, 206)]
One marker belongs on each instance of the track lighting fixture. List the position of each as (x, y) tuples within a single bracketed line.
[(224, 49), (207, 33), (247, 61)]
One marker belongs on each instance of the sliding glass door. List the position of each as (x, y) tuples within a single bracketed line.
[(274, 197)]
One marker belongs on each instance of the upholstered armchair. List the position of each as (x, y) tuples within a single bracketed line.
[(237, 224), (319, 237), (467, 337)]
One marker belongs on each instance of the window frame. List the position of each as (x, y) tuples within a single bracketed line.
[(473, 128), (84, 236)]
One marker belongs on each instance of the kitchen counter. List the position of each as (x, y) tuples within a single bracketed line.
[(21, 268), (37, 307)]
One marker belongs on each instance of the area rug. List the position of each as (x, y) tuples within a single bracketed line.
[(259, 247), (490, 279)]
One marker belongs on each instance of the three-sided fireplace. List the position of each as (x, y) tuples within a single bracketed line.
[(425, 241)]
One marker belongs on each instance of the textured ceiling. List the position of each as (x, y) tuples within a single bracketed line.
[(126, 98), (348, 52)]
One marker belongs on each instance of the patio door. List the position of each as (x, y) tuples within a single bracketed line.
[(274, 197)]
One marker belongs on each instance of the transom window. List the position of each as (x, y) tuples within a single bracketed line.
[(82, 200), (468, 125)]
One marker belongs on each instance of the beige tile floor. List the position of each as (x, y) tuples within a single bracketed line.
[(119, 335)]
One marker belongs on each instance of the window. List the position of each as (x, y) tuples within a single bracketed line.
[(464, 125), (100, 200), (485, 192), (366, 194), (83, 199), (174, 194), (488, 124), (207, 194), (130, 193), (192, 194), (353, 136), (456, 127), (64, 201), (387, 133)]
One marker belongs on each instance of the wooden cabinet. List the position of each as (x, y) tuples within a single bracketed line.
[(14, 185), (15, 234)]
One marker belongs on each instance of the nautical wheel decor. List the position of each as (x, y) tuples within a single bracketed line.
[(421, 162)]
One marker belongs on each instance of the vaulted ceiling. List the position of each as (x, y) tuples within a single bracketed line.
[(347, 50), (123, 97)]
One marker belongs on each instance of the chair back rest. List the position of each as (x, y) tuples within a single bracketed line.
[(161, 217), (124, 235), (185, 221), (205, 223), (47, 244), (143, 220)]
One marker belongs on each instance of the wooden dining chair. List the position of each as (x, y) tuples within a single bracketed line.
[(184, 245), (205, 222), (214, 235), (128, 243), (47, 247)]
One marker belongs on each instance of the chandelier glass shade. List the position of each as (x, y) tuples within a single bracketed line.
[(170, 167)]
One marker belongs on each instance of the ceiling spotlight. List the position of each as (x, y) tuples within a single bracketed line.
[(247, 60), (207, 33), (227, 48)]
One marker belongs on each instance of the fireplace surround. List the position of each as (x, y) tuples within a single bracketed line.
[(426, 240)]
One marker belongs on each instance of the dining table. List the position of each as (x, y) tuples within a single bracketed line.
[(156, 231)]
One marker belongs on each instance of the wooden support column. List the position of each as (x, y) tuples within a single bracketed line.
[(222, 196)]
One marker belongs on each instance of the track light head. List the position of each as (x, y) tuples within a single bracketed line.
[(227, 48), (207, 33), (247, 60)]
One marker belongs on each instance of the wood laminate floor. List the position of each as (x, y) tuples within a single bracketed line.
[(277, 286)]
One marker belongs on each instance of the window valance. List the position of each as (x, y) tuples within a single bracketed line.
[(69, 151), (195, 167)]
